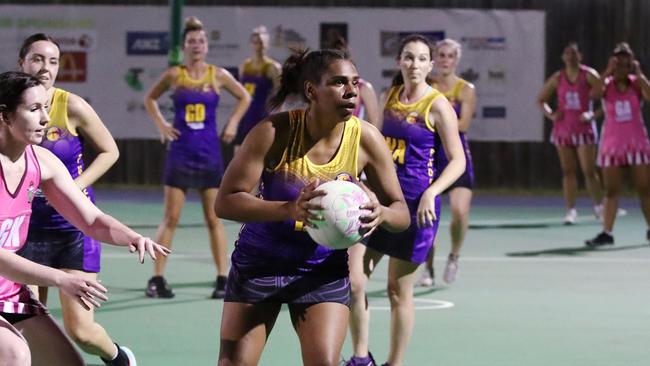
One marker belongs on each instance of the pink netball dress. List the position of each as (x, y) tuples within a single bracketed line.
[(572, 101), (624, 138), (15, 212)]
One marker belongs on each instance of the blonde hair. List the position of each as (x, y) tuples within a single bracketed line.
[(192, 24), (451, 43), (261, 32)]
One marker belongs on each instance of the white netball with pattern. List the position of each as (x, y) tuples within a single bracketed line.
[(339, 228)]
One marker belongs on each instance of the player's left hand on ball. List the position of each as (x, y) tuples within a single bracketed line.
[(374, 216), (144, 244)]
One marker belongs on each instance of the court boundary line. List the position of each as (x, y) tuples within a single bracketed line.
[(435, 305), (546, 259)]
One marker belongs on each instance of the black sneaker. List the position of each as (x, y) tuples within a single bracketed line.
[(219, 288), (125, 357), (157, 287), (601, 239)]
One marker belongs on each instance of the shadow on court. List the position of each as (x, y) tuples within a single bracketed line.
[(573, 251), (528, 225)]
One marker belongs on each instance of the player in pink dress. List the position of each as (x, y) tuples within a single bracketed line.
[(574, 128), (624, 142), (28, 335)]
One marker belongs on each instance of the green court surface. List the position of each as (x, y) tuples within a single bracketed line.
[(529, 292)]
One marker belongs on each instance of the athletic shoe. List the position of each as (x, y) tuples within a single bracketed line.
[(647, 235), (451, 269), (601, 239), (129, 354), (125, 357), (571, 217), (427, 278), (219, 288), (598, 211), (157, 287), (361, 361)]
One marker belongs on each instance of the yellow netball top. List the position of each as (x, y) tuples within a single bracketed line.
[(62, 140), (250, 68), (411, 138), (415, 113), (295, 162), (283, 246), (59, 115), (207, 81), (453, 95)]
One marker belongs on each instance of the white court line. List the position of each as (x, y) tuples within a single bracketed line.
[(546, 259), (432, 304)]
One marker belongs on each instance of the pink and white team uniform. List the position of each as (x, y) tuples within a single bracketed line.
[(15, 212), (572, 102), (624, 138)]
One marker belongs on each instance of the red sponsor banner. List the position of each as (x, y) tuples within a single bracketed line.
[(72, 67)]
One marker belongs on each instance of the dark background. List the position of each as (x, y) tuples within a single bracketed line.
[(597, 25)]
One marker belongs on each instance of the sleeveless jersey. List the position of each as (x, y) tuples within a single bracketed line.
[(15, 212), (259, 86), (195, 116), (64, 142), (624, 138), (411, 138), (284, 248), (467, 179), (572, 101)]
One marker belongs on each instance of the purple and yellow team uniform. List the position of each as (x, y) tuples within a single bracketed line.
[(572, 102), (52, 240), (256, 82), (278, 261), (194, 158), (624, 138), (466, 180), (16, 299), (410, 135)]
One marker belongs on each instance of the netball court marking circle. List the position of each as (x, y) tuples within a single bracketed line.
[(421, 304)]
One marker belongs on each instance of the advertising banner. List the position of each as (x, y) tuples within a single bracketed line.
[(112, 54)]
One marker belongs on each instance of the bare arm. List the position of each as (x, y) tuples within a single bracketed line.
[(382, 104), (382, 178), (21, 270), (597, 87), (235, 200), (641, 81), (370, 103), (446, 125), (547, 90), (164, 83), (273, 72), (468, 107), (238, 91), (86, 121), (61, 192)]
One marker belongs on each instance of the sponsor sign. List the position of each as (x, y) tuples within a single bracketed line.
[(147, 43)]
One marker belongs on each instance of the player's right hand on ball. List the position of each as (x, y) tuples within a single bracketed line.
[(303, 210)]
